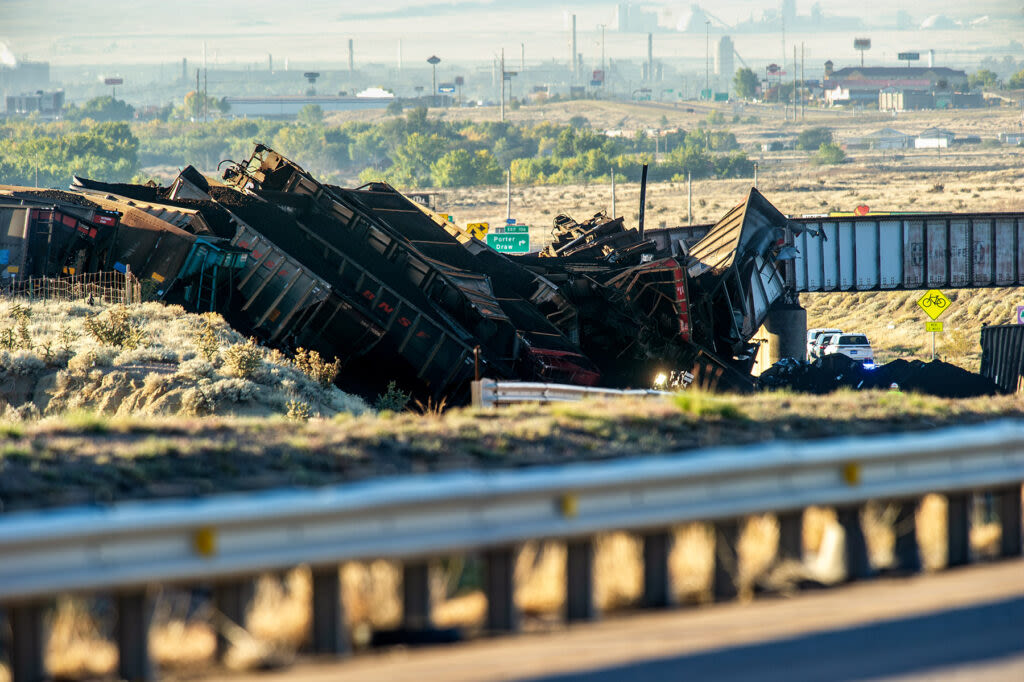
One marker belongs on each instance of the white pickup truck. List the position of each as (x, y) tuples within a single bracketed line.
[(854, 346)]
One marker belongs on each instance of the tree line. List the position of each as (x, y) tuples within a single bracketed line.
[(408, 149)]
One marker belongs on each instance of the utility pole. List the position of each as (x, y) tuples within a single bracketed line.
[(803, 85), (204, 82), (613, 193), (508, 194), (707, 57), (794, 83), (689, 198), (782, 18), (522, 56), (501, 78), (650, 57), (573, 60)]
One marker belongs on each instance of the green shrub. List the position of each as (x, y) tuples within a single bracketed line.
[(115, 327), (205, 339), (393, 399), (299, 411), (813, 138), (316, 368), (243, 359), (829, 155), (18, 336)]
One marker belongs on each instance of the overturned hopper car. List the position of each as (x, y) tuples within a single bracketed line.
[(412, 286)]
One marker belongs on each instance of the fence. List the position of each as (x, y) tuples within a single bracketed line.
[(128, 546), (103, 287)]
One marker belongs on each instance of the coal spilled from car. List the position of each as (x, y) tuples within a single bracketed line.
[(831, 372)]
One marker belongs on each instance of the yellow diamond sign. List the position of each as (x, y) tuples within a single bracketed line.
[(478, 230), (934, 303)]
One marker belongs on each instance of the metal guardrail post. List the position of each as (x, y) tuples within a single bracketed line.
[(329, 631), (232, 599), (958, 528), (134, 616), (726, 572), (906, 552), (1009, 503), (416, 600), (499, 585), (27, 642), (657, 577), (579, 574), (858, 566), (791, 536)]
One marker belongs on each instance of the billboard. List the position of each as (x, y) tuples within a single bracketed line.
[(909, 56)]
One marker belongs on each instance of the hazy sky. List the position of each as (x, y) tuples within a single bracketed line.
[(68, 32)]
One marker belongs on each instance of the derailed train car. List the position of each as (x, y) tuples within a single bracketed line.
[(397, 293), (420, 293), (601, 304), (53, 233)]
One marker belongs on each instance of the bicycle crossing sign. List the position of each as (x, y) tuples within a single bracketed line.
[(934, 303)]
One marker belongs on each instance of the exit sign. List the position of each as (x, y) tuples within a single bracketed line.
[(509, 243)]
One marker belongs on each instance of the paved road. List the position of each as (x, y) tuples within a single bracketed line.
[(966, 624)]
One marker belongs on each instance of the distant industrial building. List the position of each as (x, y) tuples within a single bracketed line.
[(886, 138), (893, 99), (45, 104), (24, 77), (630, 19), (910, 100), (934, 138), (724, 66), (290, 106), (904, 88)]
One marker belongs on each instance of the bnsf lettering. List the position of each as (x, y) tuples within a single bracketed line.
[(387, 308), (404, 321), (368, 295)]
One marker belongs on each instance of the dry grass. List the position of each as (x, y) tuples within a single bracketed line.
[(83, 458), (186, 364)]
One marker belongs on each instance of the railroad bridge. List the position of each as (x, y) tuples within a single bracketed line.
[(884, 252), (898, 251)]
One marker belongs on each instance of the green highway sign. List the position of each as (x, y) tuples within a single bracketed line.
[(517, 229), (509, 243)]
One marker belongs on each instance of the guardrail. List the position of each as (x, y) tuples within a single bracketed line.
[(129, 545), (491, 393)]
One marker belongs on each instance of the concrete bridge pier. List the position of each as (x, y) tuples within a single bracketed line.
[(785, 329)]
